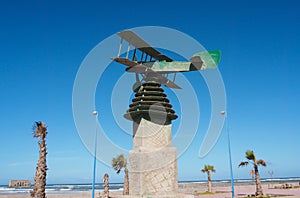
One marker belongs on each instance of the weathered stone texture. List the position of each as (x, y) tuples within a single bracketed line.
[(153, 172), (151, 135), (153, 161)]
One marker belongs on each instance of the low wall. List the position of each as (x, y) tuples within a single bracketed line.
[(19, 183)]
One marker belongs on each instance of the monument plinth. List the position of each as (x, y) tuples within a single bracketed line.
[(153, 160)]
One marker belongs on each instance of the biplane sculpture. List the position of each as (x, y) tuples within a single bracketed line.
[(150, 102), (153, 157), (154, 66)]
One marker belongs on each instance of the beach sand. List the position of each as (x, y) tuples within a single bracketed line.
[(221, 190), (81, 195)]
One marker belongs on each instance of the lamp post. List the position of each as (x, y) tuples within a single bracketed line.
[(229, 152), (95, 113)]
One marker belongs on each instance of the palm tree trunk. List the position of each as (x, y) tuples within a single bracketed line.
[(209, 181), (41, 172), (106, 186), (259, 191), (126, 182)]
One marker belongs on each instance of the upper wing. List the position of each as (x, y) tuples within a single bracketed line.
[(136, 41)]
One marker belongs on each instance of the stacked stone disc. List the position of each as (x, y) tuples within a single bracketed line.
[(151, 103)]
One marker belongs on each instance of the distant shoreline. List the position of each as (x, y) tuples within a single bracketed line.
[(246, 187), (274, 179)]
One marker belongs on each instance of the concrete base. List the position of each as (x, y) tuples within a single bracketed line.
[(153, 161), (153, 173)]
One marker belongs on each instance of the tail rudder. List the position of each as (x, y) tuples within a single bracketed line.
[(206, 60)]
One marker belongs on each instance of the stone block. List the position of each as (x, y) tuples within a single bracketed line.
[(153, 172), (150, 135)]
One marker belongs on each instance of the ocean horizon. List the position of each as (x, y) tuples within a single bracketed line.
[(85, 187)]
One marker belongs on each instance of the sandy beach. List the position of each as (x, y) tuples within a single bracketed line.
[(241, 190), (221, 190)]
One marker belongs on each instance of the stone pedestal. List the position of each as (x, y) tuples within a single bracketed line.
[(153, 161)]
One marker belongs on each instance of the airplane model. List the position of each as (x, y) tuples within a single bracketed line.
[(154, 66)]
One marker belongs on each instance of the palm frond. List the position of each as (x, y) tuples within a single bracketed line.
[(208, 168), (39, 130), (211, 168), (261, 162), (115, 165), (119, 162), (122, 160), (243, 164), (250, 155)]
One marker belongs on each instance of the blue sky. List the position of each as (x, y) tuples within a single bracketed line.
[(42, 45)]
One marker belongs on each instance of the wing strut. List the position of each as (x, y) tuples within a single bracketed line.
[(134, 52), (120, 48), (174, 76), (142, 56), (128, 49)]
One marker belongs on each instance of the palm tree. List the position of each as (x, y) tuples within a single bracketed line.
[(106, 186), (207, 169), (252, 159), (40, 131), (118, 164)]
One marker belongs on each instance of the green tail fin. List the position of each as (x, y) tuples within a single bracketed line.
[(210, 58), (215, 55)]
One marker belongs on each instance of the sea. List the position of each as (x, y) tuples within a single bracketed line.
[(79, 188)]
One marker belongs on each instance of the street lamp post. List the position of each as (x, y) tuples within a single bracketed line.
[(229, 152), (95, 113)]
